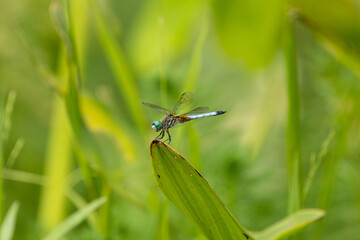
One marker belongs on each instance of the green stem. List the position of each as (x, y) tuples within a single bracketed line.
[(1, 155), (120, 66), (162, 58), (293, 122)]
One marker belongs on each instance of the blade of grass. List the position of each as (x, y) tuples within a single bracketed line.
[(2, 107), (19, 144), (331, 165), (58, 155), (293, 122), (74, 220), (78, 12), (46, 75), (5, 126), (71, 95), (8, 226), (7, 113), (100, 119), (290, 224), (75, 198), (196, 58), (58, 161), (118, 62), (315, 164), (80, 203), (25, 177), (336, 46), (192, 195), (57, 16), (162, 58), (129, 197), (88, 146)]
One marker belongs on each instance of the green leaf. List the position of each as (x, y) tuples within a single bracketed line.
[(75, 219), (191, 194), (290, 224), (8, 226)]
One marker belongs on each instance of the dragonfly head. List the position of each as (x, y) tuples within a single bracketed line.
[(157, 126)]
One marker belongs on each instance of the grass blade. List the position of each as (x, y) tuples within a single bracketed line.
[(316, 161), (8, 226), (7, 113), (75, 219), (1, 153), (19, 144), (192, 194), (57, 165), (5, 125), (335, 45), (24, 177), (293, 119), (119, 63), (290, 224), (196, 58)]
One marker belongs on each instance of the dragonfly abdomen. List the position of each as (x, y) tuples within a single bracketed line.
[(206, 115)]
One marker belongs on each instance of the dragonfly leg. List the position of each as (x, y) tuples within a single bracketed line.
[(161, 135), (167, 131)]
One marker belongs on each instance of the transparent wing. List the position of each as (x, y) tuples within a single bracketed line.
[(196, 111), (160, 109), (184, 101)]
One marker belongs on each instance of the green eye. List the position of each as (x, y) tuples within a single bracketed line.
[(157, 126)]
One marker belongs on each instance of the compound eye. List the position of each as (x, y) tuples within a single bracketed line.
[(157, 126)]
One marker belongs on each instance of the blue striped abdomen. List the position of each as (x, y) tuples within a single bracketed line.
[(206, 115)]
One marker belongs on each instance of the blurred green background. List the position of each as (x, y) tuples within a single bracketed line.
[(235, 56)]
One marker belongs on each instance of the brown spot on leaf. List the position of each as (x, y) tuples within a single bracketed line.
[(247, 237), (158, 176)]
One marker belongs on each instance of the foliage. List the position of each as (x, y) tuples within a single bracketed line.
[(73, 75)]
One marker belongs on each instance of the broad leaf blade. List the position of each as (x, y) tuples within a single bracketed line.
[(192, 194), (290, 224)]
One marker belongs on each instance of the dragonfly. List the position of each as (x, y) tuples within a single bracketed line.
[(171, 118)]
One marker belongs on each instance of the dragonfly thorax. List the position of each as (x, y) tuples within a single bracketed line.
[(157, 126)]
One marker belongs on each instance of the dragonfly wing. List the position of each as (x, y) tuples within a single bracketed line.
[(160, 109), (185, 100), (196, 111)]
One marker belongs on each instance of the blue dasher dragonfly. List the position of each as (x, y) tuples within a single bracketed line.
[(172, 119)]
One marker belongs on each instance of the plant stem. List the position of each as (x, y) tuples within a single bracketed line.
[(1, 155), (293, 121), (120, 66)]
